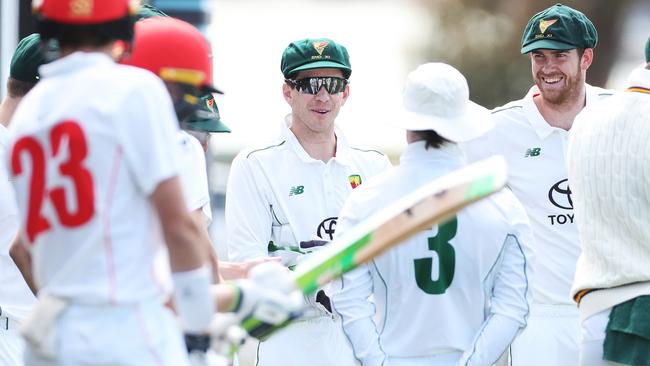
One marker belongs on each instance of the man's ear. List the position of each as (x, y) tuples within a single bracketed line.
[(587, 58), (286, 92), (346, 94)]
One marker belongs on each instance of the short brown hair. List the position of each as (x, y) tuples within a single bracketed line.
[(18, 88)]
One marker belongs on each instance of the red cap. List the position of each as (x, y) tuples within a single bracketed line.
[(84, 11), (172, 49)]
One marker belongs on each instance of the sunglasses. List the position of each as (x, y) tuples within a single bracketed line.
[(313, 85)]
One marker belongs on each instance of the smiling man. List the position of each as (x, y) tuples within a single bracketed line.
[(532, 133), (284, 196)]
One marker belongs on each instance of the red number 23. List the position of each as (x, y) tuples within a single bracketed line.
[(73, 168)]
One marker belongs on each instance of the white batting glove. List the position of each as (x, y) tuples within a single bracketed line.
[(268, 299)]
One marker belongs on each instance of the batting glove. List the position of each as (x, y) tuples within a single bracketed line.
[(267, 300)]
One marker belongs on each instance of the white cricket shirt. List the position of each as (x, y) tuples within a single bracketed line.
[(537, 174), (94, 139), (193, 174), (277, 192), (439, 291), (16, 299)]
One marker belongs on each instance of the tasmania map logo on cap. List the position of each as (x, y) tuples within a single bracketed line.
[(320, 46), (544, 24)]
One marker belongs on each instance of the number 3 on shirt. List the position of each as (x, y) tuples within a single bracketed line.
[(446, 261), (72, 168)]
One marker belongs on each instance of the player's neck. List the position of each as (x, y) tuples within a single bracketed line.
[(319, 145), (7, 109), (561, 115)]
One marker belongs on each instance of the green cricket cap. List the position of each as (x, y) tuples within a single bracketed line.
[(317, 53), (27, 58), (149, 11), (558, 28), (206, 118), (647, 50)]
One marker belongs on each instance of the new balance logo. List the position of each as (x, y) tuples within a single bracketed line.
[(533, 151), (296, 190)]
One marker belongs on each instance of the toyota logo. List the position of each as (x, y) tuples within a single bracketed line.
[(560, 195), (326, 228)]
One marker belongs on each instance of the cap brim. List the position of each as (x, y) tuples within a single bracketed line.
[(322, 65), (204, 120), (208, 126), (474, 122), (206, 89), (546, 44)]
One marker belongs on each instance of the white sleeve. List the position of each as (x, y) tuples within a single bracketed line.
[(493, 338), (477, 149), (247, 213), (510, 301), (148, 134), (193, 174), (350, 299)]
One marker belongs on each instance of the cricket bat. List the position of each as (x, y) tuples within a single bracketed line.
[(430, 204)]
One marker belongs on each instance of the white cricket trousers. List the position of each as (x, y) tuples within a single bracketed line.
[(12, 345), (592, 338), (550, 338), (119, 335), (315, 341)]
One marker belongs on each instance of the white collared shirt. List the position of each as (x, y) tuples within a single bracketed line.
[(536, 154), (277, 192), (125, 118)]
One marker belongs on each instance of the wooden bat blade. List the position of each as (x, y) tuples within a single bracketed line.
[(428, 205)]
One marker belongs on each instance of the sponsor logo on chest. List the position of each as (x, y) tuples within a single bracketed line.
[(559, 195)]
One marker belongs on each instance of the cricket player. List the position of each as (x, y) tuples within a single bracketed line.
[(96, 182), (456, 294), (532, 133), (201, 126), (16, 298), (284, 194), (608, 171), (203, 121), (180, 71)]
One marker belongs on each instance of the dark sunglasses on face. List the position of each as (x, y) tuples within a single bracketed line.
[(312, 85)]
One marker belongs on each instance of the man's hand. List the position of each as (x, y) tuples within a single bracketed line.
[(237, 270)]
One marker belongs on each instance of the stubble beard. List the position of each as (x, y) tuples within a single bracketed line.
[(568, 94)]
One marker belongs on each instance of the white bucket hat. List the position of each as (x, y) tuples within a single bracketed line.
[(436, 97)]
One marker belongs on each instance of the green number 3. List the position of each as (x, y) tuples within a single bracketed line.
[(446, 261)]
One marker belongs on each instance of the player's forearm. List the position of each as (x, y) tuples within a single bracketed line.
[(23, 260), (185, 242), (187, 247), (213, 259), (493, 338)]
